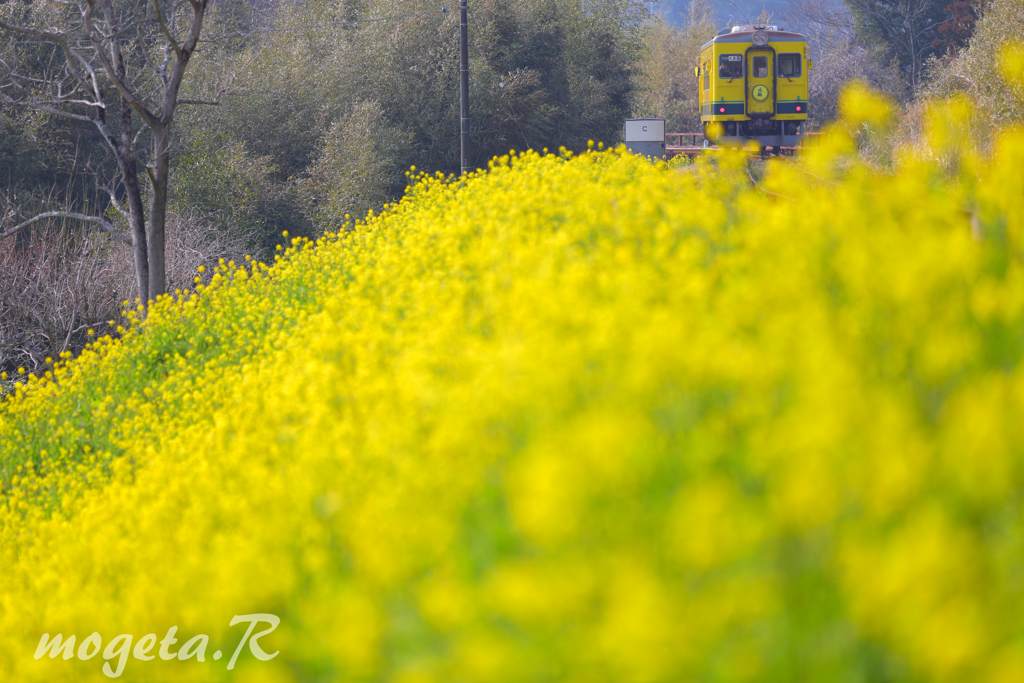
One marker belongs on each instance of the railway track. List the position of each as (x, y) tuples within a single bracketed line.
[(694, 148)]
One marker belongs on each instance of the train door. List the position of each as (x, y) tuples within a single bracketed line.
[(760, 82)]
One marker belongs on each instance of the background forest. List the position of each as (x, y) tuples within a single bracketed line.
[(324, 106)]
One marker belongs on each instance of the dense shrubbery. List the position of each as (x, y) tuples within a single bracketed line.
[(984, 82), (581, 418), (337, 111), (989, 71)]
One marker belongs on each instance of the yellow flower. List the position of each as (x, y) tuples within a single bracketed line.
[(573, 414)]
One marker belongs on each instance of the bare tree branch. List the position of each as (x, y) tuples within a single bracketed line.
[(166, 31), (112, 71), (140, 39), (102, 222)]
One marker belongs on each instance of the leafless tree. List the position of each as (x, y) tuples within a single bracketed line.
[(109, 54)]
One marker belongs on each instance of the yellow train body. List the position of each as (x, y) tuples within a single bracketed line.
[(752, 82)]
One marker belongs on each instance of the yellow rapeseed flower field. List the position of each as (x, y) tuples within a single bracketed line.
[(582, 418)]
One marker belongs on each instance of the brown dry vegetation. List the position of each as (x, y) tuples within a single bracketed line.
[(58, 283)]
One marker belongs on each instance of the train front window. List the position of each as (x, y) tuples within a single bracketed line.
[(760, 67), (789, 66), (730, 66)]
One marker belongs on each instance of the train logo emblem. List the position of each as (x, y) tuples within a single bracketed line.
[(760, 93)]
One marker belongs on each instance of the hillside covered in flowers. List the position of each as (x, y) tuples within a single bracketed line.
[(579, 418)]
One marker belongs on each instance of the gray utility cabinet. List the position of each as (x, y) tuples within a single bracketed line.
[(646, 136)]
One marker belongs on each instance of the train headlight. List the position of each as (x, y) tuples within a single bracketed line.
[(760, 38)]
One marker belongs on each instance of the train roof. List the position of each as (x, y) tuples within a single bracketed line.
[(745, 34)]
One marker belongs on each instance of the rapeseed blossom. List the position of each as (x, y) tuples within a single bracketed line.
[(579, 418)]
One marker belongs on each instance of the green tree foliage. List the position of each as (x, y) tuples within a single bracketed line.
[(669, 86), (907, 30), (235, 189), (840, 57), (332, 101), (354, 168), (982, 71), (341, 98), (555, 73)]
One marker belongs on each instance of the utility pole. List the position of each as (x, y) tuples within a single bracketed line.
[(464, 84)]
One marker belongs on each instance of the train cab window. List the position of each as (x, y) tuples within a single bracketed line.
[(789, 66), (730, 66), (760, 67)]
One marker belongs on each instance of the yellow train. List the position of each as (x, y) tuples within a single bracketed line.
[(753, 86)]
